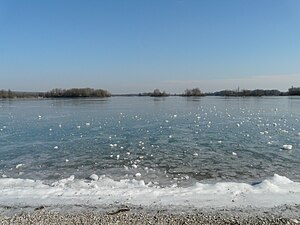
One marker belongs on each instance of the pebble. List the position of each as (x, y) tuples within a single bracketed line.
[(122, 216)]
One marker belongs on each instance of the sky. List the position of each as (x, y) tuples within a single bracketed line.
[(132, 46)]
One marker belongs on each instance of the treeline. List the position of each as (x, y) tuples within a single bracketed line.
[(18, 94), (56, 93), (187, 93), (244, 93), (89, 92), (77, 93), (294, 91), (257, 92)]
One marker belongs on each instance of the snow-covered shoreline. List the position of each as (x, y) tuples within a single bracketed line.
[(271, 192)]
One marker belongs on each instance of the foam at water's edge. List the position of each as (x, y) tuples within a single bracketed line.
[(276, 190)]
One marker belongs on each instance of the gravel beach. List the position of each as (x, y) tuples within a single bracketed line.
[(283, 215)]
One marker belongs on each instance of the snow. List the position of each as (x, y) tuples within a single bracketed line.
[(277, 190)]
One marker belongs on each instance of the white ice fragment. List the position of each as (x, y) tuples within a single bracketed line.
[(50, 129), (94, 177), (167, 121), (219, 142), (134, 166), (4, 176), (238, 125), (87, 124), (299, 134), (78, 127), (71, 178), (118, 157), (138, 174), (269, 142), (55, 147), (128, 153), (40, 117), (67, 160), (175, 116), (170, 136), (59, 125), (195, 154), (287, 147), (19, 165), (234, 153)]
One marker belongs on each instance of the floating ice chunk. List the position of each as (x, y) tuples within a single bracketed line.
[(56, 147), (78, 127), (134, 166), (4, 176), (87, 124), (219, 142), (195, 154), (269, 142), (262, 132), (121, 147), (59, 125), (170, 136), (40, 117), (238, 125), (287, 147), (128, 153), (234, 153), (138, 174), (50, 129), (299, 134), (175, 116), (19, 165), (67, 160), (94, 177), (118, 157)]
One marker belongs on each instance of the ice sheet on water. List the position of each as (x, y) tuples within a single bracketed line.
[(273, 191)]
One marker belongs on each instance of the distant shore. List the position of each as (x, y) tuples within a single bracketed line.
[(101, 93)]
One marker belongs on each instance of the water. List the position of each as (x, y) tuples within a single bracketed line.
[(166, 141)]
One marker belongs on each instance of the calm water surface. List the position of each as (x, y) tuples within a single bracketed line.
[(168, 141)]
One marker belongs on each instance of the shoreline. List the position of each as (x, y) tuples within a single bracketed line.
[(125, 214)]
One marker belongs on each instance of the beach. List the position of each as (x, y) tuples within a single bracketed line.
[(285, 214)]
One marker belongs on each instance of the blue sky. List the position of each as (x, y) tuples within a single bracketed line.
[(138, 45)]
